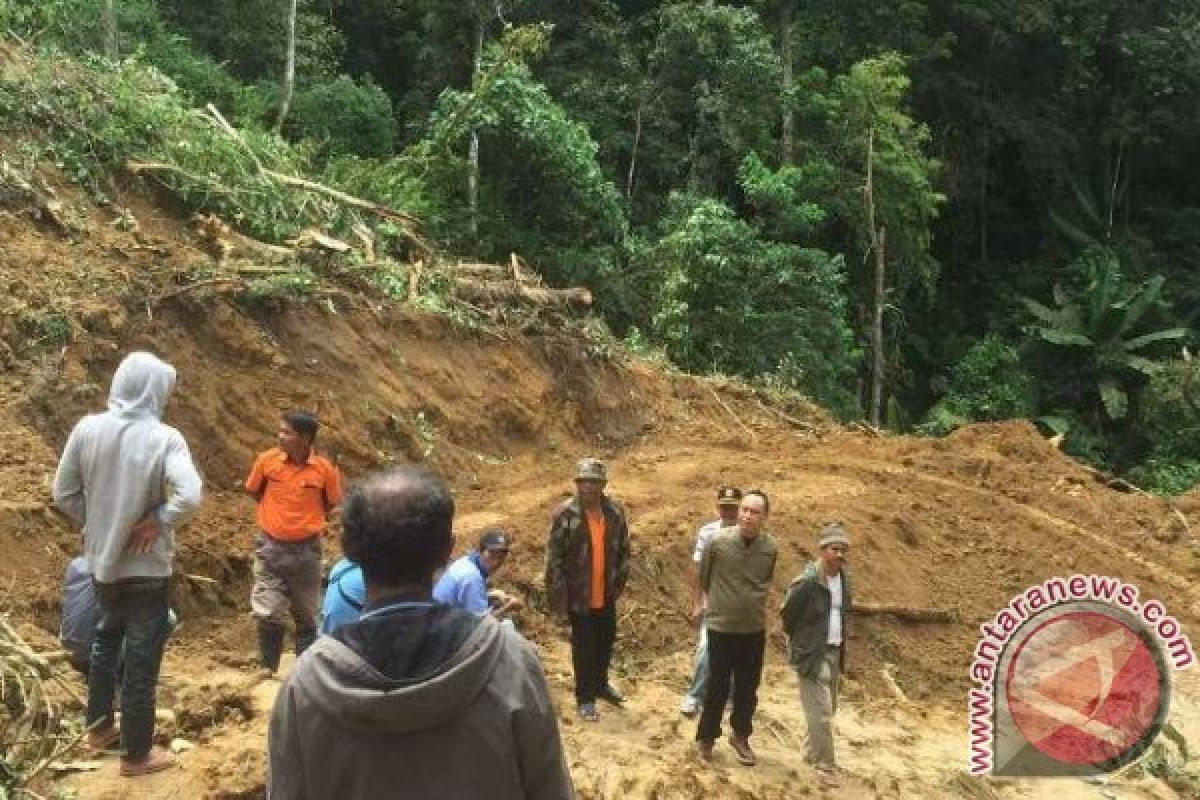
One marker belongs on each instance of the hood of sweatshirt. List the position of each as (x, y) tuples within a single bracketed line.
[(400, 674), (141, 386)]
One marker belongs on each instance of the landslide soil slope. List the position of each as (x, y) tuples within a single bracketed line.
[(962, 523)]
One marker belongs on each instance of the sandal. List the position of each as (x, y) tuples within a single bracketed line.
[(156, 760), (828, 778), (104, 739)]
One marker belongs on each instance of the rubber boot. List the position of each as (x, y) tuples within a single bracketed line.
[(270, 644), (304, 640)]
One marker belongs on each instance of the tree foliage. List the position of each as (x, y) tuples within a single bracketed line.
[(733, 302), (1034, 169)]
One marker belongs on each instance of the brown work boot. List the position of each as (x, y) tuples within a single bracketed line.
[(741, 746), (704, 750)]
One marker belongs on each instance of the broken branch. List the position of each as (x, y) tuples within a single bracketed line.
[(237, 283), (907, 613)]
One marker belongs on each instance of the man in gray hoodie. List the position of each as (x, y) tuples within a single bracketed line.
[(127, 480), (417, 699)]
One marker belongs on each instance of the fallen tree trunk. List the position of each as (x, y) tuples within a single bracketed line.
[(491, 293), (907, 613), (487, 272), (233, 284)]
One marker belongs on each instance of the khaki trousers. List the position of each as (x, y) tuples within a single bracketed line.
[(819, 698)]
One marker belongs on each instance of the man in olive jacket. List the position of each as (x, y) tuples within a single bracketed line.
[(587, 565), (814, 614)]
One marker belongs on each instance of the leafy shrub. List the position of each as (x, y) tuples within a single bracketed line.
[(1170, 410), (103, 115), (1170, 417), (730, 302), (203, 80), (988, 383), (345, 117), (1166, 477)]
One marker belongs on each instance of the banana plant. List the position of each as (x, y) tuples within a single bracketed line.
[(1103, 324)]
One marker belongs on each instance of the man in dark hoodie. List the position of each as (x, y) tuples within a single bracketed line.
[(814, 614), (587, 565), (416, 699), (128, 481)]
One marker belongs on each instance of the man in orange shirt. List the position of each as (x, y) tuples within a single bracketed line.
[(295, 489), (587, 565)]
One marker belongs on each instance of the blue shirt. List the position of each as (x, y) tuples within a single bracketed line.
[(464, 584), (345, 596)]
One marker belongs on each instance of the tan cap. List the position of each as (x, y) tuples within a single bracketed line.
[(729, 496), (833, 533)]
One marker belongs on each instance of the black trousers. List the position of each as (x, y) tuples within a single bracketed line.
[(592, 637), (737, 657)]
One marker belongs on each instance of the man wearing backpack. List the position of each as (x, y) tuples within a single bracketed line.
[(127, 480)]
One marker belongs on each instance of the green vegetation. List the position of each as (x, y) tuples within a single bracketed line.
[(702, 168)]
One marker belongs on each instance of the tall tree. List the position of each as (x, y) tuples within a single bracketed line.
[(881, 147), (110, 29), (289, 66)]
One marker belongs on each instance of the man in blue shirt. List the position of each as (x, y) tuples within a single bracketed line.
[(464, 583), (345, 596)]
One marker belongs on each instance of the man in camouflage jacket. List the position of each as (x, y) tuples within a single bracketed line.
[(587, 565)]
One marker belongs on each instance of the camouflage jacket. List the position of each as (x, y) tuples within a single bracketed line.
[(569, 557)]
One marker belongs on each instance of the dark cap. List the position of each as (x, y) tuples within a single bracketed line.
[(495, 540), (729, 496)]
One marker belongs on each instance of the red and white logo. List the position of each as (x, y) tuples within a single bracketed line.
[(1085, 688)]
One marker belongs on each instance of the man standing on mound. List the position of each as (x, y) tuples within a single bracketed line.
[(728, 500), (295, 489), (736, 574), (128, 481), (415, 699), (587, 565), (814, 616)]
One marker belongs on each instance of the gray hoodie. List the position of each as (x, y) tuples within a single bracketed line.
[(122, 464), (430, 705)]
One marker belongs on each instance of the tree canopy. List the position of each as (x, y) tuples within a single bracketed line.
[(702, 166)]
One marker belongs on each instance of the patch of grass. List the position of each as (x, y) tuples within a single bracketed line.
[(427, 432), (53, 329)]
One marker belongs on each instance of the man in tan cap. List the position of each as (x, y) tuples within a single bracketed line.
[(814, 614), (587, 565)]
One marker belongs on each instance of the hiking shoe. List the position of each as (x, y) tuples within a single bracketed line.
[(689, 706), (609, 694), (704, 750), (741, 746), (587, 712)]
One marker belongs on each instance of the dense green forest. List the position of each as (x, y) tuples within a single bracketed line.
[(922, 212)]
